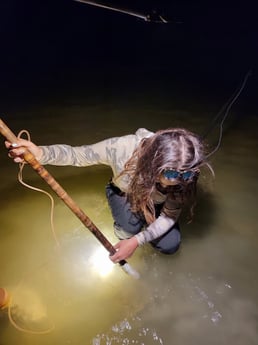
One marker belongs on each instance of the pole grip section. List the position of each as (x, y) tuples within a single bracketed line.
[(7, 133)]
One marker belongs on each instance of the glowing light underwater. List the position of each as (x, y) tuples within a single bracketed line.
[(100, 262)]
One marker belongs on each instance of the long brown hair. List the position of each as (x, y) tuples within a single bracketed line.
[(175, 148)]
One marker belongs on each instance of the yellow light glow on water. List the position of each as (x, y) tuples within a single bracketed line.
[(101, 263)]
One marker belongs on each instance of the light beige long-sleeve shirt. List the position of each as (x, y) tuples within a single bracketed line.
[(115, 152)]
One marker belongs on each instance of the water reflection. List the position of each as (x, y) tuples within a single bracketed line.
[(206, 293)]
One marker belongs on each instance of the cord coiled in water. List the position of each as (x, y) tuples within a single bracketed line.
[(19, 328)]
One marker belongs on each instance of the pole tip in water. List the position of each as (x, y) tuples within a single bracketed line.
[(129, 270)]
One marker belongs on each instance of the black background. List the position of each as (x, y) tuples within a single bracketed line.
[(69, 46)]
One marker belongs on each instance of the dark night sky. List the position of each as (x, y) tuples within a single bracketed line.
[(54, 43)]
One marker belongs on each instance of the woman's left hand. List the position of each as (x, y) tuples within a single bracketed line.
[(125, 249)]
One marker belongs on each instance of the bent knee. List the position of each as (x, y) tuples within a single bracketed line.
[(168, 244), (169, 250)]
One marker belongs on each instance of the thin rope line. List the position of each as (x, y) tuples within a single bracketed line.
[(19, 328), (20, 179), (227, 112)]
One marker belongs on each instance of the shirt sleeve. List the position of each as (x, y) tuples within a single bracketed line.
[(112, 151), (156, 229), (170, 213), (61, 154)]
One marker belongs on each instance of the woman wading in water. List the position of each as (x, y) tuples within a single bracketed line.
[(154, 178)]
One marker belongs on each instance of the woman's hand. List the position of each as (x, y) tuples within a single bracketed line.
[(125, 249), (16, 150)]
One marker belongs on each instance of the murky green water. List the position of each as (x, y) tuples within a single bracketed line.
[(206, 294)]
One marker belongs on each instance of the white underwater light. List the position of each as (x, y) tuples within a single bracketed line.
[(101, 263)]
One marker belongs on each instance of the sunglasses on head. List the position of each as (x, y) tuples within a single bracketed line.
[(183, 175)]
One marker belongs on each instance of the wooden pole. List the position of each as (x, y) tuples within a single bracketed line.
[(62, 194)]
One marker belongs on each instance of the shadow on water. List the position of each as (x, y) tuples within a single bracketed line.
[(204, 216)]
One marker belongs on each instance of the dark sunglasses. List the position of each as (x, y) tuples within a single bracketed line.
[(184, 175)]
